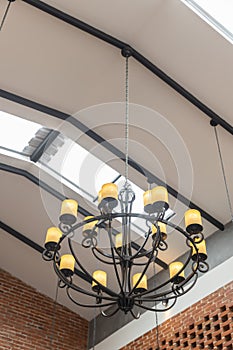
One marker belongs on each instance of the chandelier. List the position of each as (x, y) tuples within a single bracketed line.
[(129, 266)]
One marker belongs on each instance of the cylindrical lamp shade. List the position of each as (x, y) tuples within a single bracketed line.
[(118, 241), (142, 285), (109, 190), (90, 226), (147, 200), (174, 268), (159, 198), (101, 277), (193, 221), (67, 263), (201, 247), (52, 238), (163, 230), (69, 211)]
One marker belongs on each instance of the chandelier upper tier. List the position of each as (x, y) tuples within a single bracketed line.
[(126, 285)]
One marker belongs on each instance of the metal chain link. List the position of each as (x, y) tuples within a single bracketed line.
[(223, 173), (126, 120)]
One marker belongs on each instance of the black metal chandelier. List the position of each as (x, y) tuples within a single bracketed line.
[(131, 289)]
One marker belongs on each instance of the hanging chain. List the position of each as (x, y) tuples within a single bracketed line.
[(223, 173), (54, 315), (127, 120), (5, 14)]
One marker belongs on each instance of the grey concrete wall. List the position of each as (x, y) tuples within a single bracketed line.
[(219, 249)]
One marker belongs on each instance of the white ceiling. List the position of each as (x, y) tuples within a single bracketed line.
[(55, 64)]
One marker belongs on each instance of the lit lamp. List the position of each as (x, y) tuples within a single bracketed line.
[(108, 196), (201, 247), (69, 211), (52, 238), (142, 285), (159, 198), (193, 221), (101, 277), (89, 228), (147, 199), (67, 263), (174, 268), (163, 230), (118, 241)]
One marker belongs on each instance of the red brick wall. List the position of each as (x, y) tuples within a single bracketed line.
[(208, 324), (26, 320)]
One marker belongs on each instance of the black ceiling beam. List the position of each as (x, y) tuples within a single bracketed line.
[(97, 138), (137, 56), (36, 246), (53, 192), (44, 145)]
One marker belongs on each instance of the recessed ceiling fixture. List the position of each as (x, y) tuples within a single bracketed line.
[(125, 286)]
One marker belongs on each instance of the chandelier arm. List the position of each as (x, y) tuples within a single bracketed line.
[(111, 314), (106, 255), (87, 221), (141, 247), (103, 288), (165, 294), (155, 309), (144, 270), (136, 317), (168, 281), (113, 257), (103, 261), (78, 289), (85, 305)]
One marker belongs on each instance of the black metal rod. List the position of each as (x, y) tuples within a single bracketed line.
[(139, 57), (43, 146), (93, 135)]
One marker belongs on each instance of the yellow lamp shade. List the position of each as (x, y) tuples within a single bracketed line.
[(101, 277), (89, 227), (201, 247), (147, 200), (174, 268), (160, 198), (69, 211), (52, 238), (118, 240), (67, 263), (142, 285), (109, 190), (193, 221), (163, 230)]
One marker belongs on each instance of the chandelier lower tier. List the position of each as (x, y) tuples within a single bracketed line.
[(127, 265)]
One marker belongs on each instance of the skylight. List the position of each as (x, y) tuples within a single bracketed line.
[(15, 132), (85, 173), (217, 13)]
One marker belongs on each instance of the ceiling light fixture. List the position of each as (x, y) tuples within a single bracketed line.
[(130, 266)]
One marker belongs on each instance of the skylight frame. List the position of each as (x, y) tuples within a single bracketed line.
[(206, 16)]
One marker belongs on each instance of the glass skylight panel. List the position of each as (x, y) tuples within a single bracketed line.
[(15, 132), (85, 173), (218, 13)]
